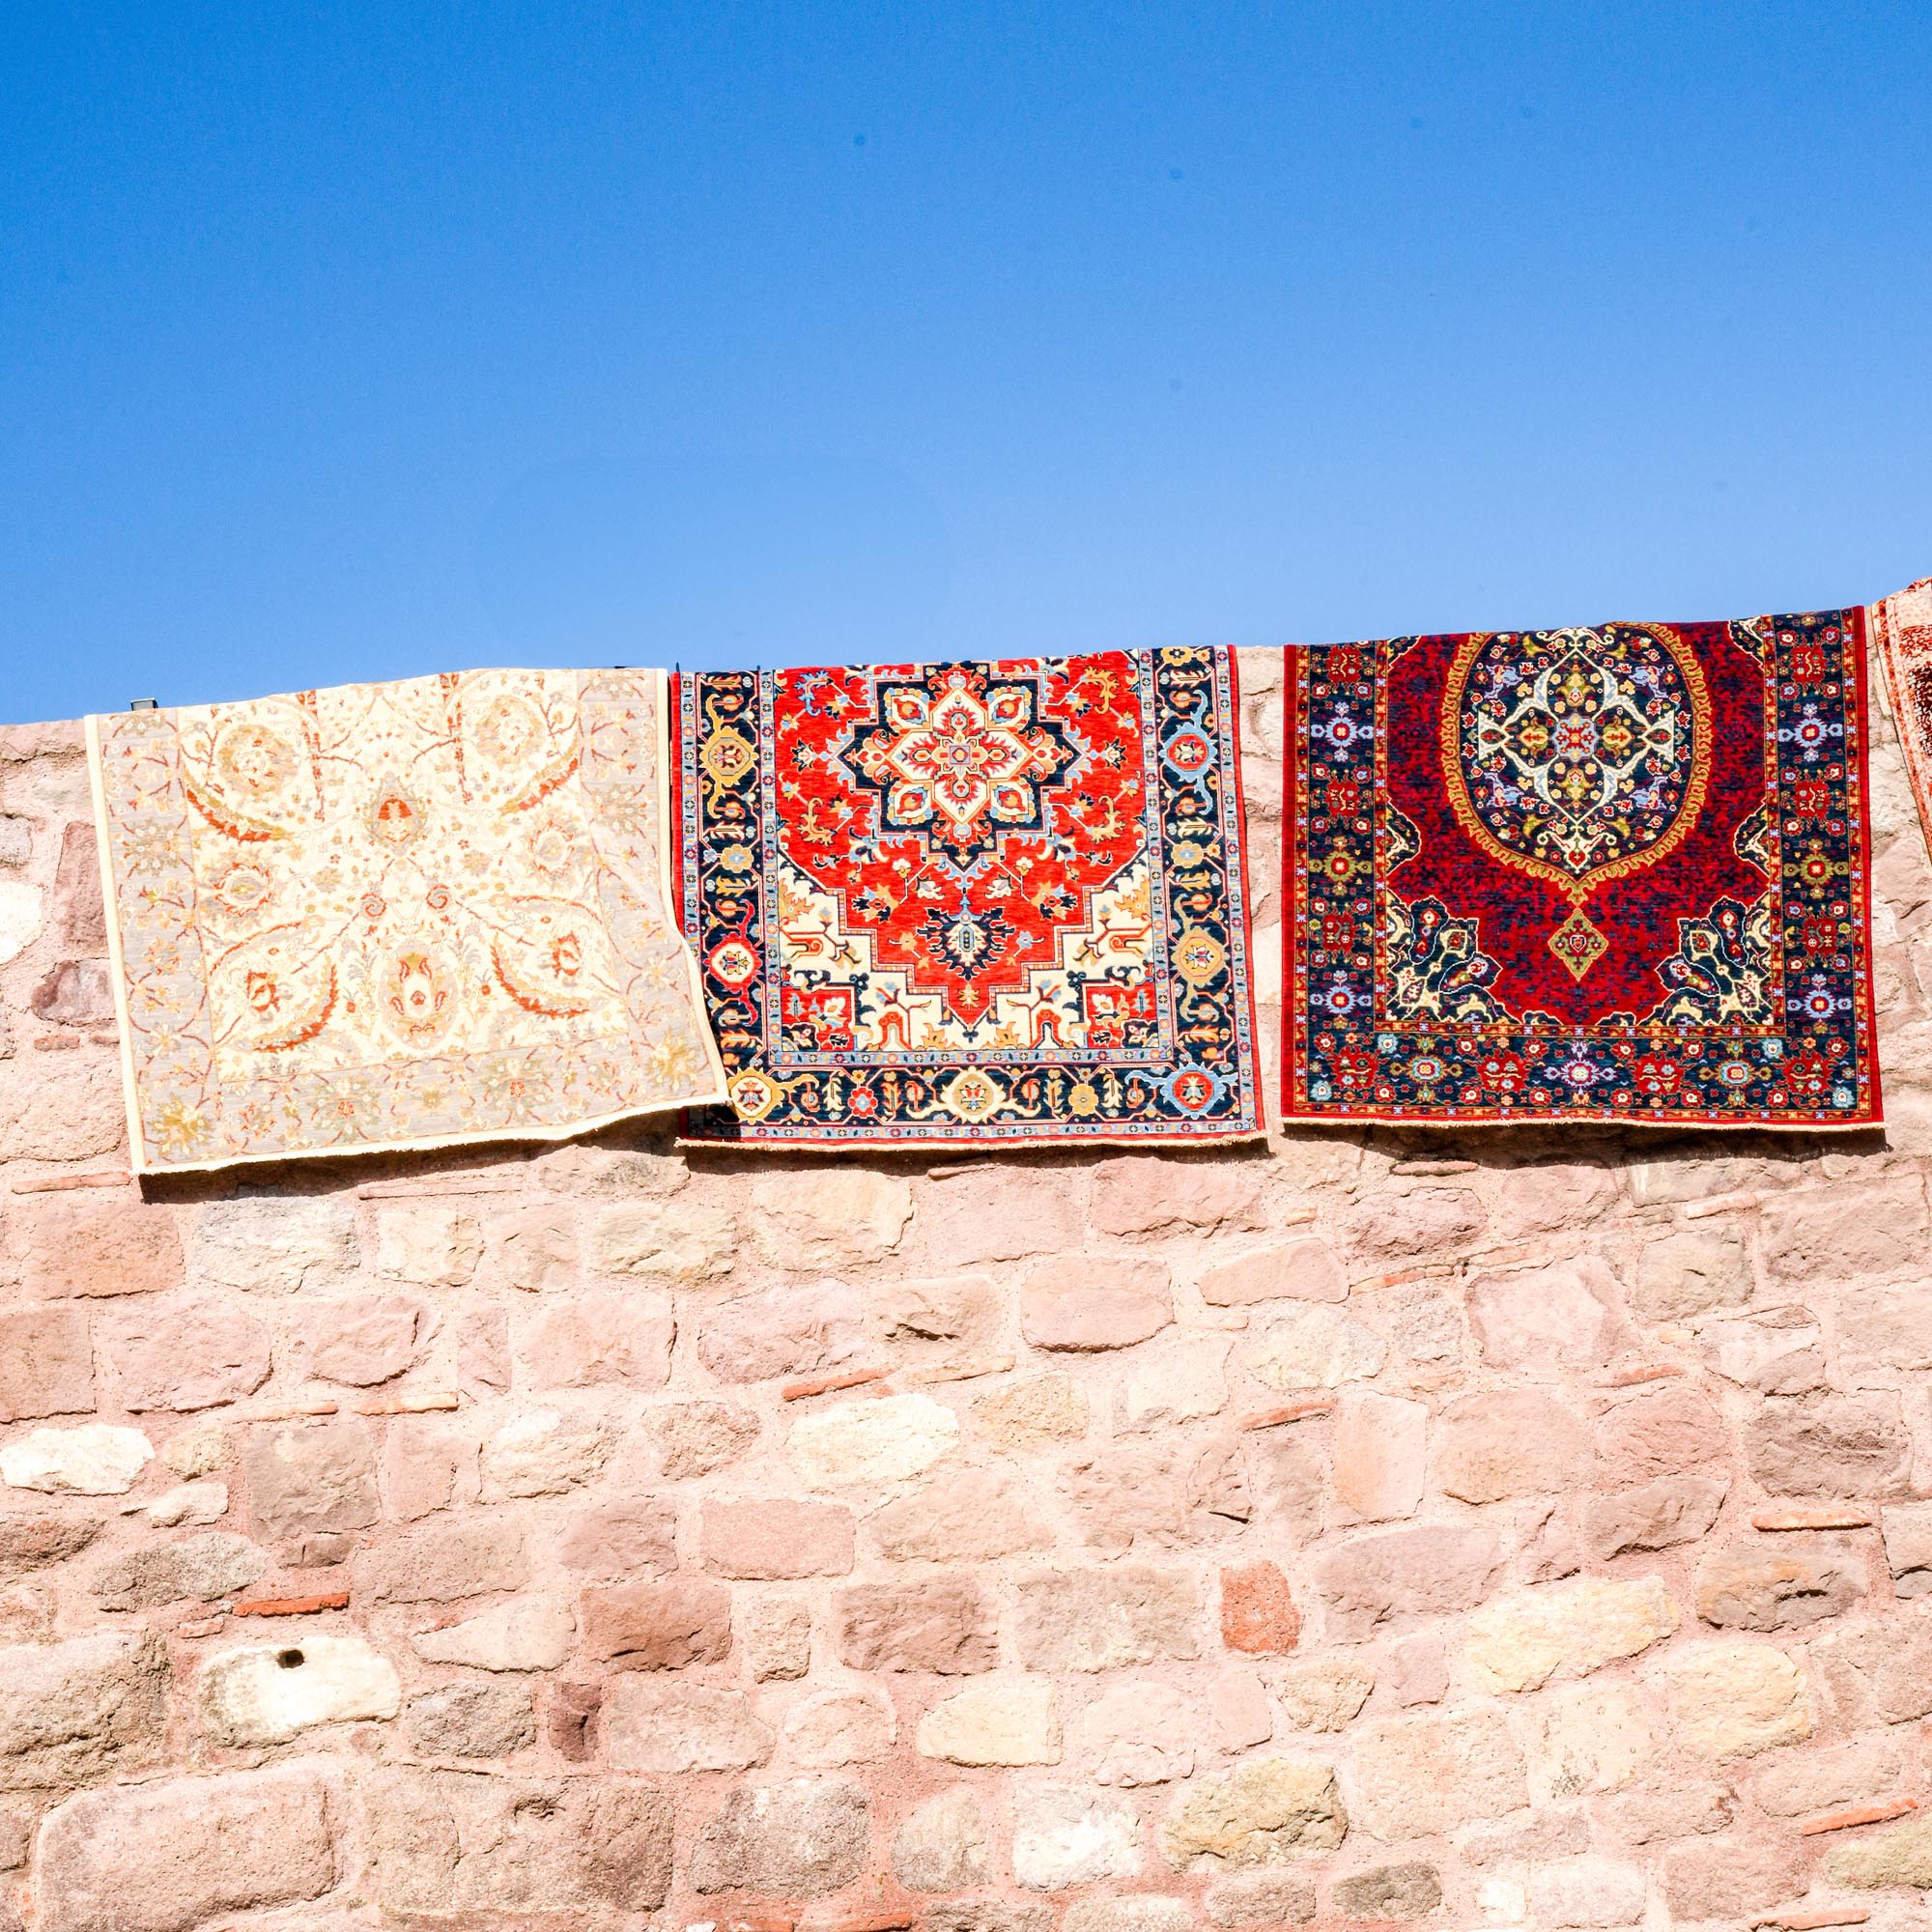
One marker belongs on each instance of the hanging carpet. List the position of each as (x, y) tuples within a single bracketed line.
[(1616, 873), (395, 915), (986, 904)]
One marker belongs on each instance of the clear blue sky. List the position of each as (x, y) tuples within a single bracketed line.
[(352, 341)]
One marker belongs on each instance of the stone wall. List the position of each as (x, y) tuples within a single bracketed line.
[(1501, 1531)]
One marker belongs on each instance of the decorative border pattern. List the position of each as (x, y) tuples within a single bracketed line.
[(1196, 1083), (1347, 1056)]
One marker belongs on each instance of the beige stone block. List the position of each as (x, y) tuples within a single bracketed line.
[(799, 1839), (1587, 1892), (666, 1727), (1685, 1274), (1774, 1351), (452, 1845), (1177, 1383), (76, 1712), (1521, 1642), (1305, 1269), (82, 1244), (1396, 1574), (681, 1240), (264, 1693), (1827, 1777), (943, 1622), (1595, 1739), (991, 1213), (1104, 1619), (849, 1725), (999, 1720), (530, 1633), (1732, 1700), (46, 1362), (434, 1248), (360, 1340), (599, 1338), (1145, 1194), (1562, 1315), (1070, 1835), (1035, 1411), (273, 1247), (829, 1217), (942, 1844), (182, 1852), (1505, 1443), (870, 1443), (96, 1459), (544, 1452), (1263, 1809), (1086, 1304), (1900, 1855), (1140, 1733), (1312, 1345), (767, 1538), (793, 1329), (1832, 1446), (1830, 1234), (962, 1515), (1422, 1223), (1772, 1585), (186, 1352)]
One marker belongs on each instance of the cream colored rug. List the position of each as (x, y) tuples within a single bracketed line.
[(396, 916)]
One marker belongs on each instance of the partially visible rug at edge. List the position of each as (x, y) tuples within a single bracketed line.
[(1901, 628), (396, 916), (1614, 874), (984, 904)]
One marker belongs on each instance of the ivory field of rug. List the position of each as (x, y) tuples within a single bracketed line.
[(396, 916), (1901, 630), (974, 903), (1618, 873)]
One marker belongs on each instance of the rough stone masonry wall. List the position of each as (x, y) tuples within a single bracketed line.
[(1496, 1531)]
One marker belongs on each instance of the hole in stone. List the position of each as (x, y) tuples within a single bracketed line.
[(289, 1659)]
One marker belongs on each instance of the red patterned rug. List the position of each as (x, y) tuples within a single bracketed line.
[(971, 904), (1901, 630), (1617, 873)]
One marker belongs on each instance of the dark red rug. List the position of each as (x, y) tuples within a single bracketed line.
[(1618, 873)]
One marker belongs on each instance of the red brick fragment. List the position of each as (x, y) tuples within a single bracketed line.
[(1257, 1614), (1650, 1372), (292, 1606), (1293, 1411), (1829, 1517), (1858, 1814), (825, 1384)]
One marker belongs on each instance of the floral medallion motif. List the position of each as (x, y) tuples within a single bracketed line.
[(1577, 756), (984, 901)]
